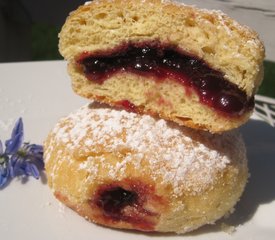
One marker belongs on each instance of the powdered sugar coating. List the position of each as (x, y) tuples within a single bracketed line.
[(187, 160)]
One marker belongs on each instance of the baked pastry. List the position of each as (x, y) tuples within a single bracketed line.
[(131, 171), (196, 67)]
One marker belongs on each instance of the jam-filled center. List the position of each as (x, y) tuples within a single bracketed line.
[(132, 201), (113, 201), (163, 62)]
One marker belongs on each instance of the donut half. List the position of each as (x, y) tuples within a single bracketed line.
[(196, 67)]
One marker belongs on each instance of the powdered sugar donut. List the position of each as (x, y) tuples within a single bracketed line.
[(132, 171)]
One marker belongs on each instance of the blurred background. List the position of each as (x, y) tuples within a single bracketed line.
[(29, 28)]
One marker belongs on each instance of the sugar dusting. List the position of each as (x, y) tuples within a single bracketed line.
[(172, 154)]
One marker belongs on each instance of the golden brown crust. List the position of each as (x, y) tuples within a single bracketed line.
[(183, 178)]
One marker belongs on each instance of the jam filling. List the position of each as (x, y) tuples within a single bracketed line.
[(127, 105), (113, 201), (129, 203), (165, 61)]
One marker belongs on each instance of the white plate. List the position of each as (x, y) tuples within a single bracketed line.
[(41, 94)]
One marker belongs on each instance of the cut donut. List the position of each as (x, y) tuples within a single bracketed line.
[(198, 68)]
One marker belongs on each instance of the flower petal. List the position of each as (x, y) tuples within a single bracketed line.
[(4, 175), (34, 154), (3, 180), (13, 144), (34, 171), (18, 128), (31, 170), (19, 167), (34, 149), (16, 140), (12, 165)]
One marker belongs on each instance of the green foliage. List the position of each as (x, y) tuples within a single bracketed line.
[(268, 86), (45, 42)]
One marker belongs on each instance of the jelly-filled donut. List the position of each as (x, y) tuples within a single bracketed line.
[(196, 67), (130, 171)]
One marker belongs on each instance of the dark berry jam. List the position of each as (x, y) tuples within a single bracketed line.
[(113, 201), (129, 204), (162, 61)]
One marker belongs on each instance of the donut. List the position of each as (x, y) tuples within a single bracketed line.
[(125, 170), (195, 67)]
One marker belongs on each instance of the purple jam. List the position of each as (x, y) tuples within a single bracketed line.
[(113, 200), (162, 61)]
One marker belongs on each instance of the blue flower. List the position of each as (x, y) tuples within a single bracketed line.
[(19, 158), (27, 160)]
